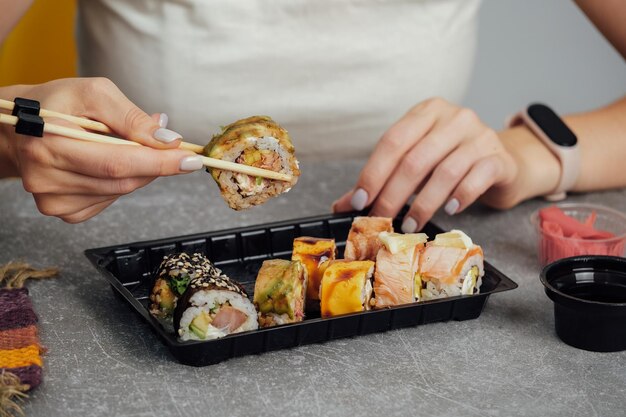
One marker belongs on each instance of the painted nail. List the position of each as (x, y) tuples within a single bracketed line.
[(409, 225), (163, 120), (166, 135), (359, 199), (191, 163), (451, 207)]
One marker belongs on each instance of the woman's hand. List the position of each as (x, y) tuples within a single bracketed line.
[(446, 155), (75, 180)]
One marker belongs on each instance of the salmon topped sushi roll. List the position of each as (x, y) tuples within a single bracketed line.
[(363, 243), (314, 253), (260, 142), (346, 287), (450, 265), (279, 292), (397, 263)]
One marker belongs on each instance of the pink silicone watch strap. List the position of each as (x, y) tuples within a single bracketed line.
[(569, 157)]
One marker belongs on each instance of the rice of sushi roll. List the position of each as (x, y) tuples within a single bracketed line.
[(363, 243), (397, 263), (260, 142), (450, 265), (346, 287), (279, 292), (315, 254), (172, 278), (213, 306)]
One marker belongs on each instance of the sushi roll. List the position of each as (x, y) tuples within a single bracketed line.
[(213, 306), (363, 243), (279, 292), (314, 253), (172, 278), (397, 263), (346, 287), (450, 265), (260, 142)]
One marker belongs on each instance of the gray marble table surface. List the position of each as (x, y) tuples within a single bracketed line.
[(103, 360)]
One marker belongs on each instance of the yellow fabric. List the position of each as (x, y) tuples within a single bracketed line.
[(16, 358), (41, 47)]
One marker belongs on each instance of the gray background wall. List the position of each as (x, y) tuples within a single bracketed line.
[(541, 50)]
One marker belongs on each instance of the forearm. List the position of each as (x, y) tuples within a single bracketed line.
[(12, 12), (602, 140), (609, 17)]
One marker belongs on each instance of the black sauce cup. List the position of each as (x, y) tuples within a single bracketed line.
[(589, 294)]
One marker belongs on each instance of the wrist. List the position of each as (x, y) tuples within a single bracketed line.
[(539, 170)]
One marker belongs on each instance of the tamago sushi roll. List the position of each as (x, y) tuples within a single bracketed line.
[(260, 142), (213, 306), (315, 254), (346, 287)]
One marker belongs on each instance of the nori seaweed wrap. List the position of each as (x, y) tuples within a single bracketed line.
[(213, 306), (171, 280)]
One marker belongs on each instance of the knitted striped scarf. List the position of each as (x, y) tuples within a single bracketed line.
[(20, 350)]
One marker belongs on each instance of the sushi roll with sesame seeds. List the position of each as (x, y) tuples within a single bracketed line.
[(213, 306), (260, 142), (171, 279)]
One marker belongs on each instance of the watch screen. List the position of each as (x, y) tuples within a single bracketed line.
[(552, 125)]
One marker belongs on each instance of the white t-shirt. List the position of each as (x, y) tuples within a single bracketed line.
[(335, 73)]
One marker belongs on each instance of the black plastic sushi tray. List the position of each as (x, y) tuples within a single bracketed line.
[(239, 253)]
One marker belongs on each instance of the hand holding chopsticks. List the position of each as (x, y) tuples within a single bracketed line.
[(99, 138)]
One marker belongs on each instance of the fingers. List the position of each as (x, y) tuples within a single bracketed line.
[(100, 160), (54, 181), (389, 151), (106, 103), (342, 204), (416, 165), (87, 213), (470, 186), (67, 205)]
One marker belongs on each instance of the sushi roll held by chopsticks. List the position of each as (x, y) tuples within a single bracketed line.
[(213, 306), (450, 265), (346, 287), (315, 254), (259, 142), (279, 292)]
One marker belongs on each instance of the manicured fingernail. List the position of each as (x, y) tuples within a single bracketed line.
[(359, 199), (163, 119), (166, 135), (191, 163), (451, 207), (409, 225)]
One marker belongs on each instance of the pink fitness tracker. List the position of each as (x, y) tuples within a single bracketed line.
[(559, 139)]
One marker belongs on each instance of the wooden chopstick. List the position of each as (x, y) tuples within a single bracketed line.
[(206, 161), (92, 124)]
